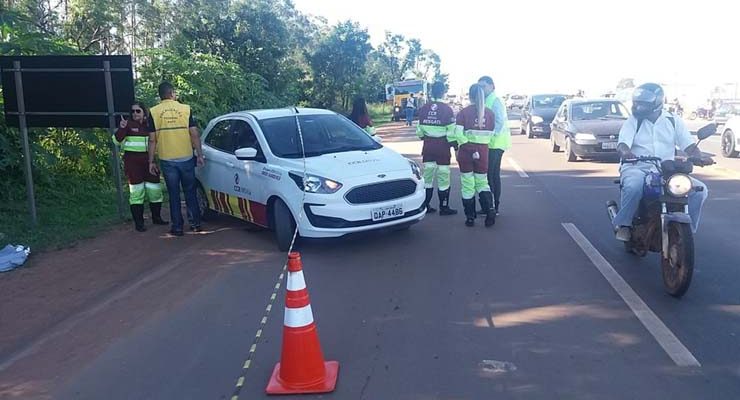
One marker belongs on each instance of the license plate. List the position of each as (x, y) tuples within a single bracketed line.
[(609, 146), (383, 213)]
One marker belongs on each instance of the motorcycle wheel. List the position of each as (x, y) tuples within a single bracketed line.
[(678, 268)]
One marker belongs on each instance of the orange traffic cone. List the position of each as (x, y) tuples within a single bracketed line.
[(302, 368)]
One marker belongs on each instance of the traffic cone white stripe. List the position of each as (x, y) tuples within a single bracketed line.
[(298, 317), (296, 281)]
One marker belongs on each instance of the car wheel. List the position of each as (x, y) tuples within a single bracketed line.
[(530, 133), (555, 147), (284, 225), (729, 148), (570, 156), (205, 212)]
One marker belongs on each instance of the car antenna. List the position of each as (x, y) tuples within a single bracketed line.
[(296, 109)]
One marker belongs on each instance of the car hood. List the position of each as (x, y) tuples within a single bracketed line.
[(548, 114), (598, 127), (352, 164)]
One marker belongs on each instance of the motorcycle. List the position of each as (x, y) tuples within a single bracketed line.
[(662, 223), (703, 113)]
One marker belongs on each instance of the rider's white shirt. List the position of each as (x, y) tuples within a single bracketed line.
[(656, 140)]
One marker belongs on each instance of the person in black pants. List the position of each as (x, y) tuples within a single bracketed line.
[(501, 141), (494, 175)]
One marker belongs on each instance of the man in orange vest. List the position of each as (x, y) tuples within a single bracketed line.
[(173, 135)]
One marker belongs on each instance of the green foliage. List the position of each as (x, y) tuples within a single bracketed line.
[(209, 84), (339, 64)]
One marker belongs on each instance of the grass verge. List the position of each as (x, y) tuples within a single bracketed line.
[(69, 209), (380, 113)]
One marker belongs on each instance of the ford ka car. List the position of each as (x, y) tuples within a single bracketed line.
[(331, 179)]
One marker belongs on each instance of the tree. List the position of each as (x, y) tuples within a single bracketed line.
[(339, 64)]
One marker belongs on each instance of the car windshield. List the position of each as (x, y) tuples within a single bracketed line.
[(729, 108), (548, 101), (598, 110), (322, 134)]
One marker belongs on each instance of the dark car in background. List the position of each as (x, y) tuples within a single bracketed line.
[(538, 113), (588, 128)]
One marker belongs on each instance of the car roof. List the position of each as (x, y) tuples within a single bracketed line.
[(279, 112), (592, 100), (547, 94)]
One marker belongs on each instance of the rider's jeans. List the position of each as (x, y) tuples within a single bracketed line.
[(633, 181)]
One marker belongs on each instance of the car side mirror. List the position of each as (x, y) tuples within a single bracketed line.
[(246, 153), (377, 138), (706, 131)]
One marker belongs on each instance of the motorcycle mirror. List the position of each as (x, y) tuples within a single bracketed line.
[(706, 131)]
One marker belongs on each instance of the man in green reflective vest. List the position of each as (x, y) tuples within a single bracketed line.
[(501, 140), (133, 137)]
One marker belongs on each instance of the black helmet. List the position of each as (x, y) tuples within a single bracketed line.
[(647, 99)]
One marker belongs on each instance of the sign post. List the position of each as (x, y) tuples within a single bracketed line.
[(116, 160), (102, 87), (24, 141)]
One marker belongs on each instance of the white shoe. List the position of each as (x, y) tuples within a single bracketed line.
[(624, 234)]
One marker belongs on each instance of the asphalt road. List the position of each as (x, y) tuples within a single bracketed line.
[(518, 311)]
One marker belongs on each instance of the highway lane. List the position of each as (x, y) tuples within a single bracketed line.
[(440, 311)]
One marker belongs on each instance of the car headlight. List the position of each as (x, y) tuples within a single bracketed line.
[(585, 136), (315, 184), (536, 119), (679, 185), (415, 169)]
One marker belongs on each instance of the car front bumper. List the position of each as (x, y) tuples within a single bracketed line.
[(332, 216), (541, 129), (593, 149)]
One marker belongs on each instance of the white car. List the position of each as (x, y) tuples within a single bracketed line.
[(255, 171), (731, 137), (516, 101)]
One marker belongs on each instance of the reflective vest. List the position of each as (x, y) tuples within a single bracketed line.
[(468, 130), (502, 140), (436, 120), (134, 144), (171, 121)]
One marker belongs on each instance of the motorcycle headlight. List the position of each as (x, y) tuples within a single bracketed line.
[(536, 119), (679, 185), (585, 136), (415, 169), (315, 184)]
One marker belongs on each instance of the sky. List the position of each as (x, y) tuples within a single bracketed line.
[(545, 45)]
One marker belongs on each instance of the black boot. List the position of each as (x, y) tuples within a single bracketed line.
[(156, 210), (469, 205), (486, 202), (137, 213), (482, 210), (444, 203), (430, 194)]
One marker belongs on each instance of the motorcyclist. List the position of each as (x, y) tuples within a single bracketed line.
[(651, 132)]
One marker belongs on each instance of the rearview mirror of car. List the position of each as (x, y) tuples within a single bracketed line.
[(246, 153), (706, 131)]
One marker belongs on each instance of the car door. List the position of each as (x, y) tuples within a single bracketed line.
[(557, 126), (254, 180), (217, 172)]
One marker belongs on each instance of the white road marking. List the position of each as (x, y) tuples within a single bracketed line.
[(667, 340), (517, 167)]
